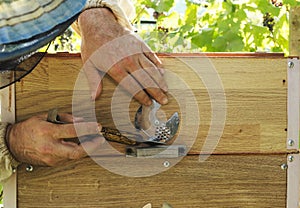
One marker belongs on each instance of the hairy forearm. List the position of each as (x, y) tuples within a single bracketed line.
[(98, 25)]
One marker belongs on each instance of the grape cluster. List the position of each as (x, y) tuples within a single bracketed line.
[(64, 41), (156, 14), (269, 21), (163, 29), (276, 3)]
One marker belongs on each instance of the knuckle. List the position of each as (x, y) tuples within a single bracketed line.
[(116, 70), (145, 99), (46, 150), (75, 154), (49, 161), (41, 132), (148, 83)]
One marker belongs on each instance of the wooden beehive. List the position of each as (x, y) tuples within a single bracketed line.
[(255, 164), (246, 169)]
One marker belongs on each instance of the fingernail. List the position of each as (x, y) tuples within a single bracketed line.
[(99, 128), (164, 101), (165, 88), (149, 102), (94, 95)]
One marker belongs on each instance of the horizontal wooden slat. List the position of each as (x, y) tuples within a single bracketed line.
[(255, 91), (220, 181), (244, 170)]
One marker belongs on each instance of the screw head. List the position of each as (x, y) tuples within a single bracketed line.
[(167, 164), (156, 122), (291, 158), (291, 142), (291, 64), (29, 168), (284, 166)]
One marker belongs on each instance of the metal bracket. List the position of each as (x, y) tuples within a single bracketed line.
[(159, 151), (293, 104), (293, 180)]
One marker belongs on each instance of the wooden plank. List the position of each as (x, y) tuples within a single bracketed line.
[(295, 31), (255, 91), (221, 181), (7, 100)]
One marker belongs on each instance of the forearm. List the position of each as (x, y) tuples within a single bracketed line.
[(122, 10), (98, 26), (7, 161), (100, 22)]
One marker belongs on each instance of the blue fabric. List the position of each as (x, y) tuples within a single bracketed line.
[(46, 22), (16, 50)]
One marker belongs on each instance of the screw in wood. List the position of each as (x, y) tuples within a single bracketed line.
[(291, 158), (291, 142), (167, 164), (29, 168), (284, 166), (291, 64)]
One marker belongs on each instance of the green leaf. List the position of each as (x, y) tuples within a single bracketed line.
[(220, 44), (291, 2), (170, 21), (164, 5), (204, 38), (191, 14), (228, 6), (186, 28), (235, 43), (150, 3), (225, 25), (241, 14), (267, 7)]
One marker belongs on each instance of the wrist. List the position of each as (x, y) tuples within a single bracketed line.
[(102, 31), (115, 8), (8, 141), (96, 16), (6, 138)]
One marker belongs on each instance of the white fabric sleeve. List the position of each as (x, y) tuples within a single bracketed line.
[(123, 10), (7, 162)]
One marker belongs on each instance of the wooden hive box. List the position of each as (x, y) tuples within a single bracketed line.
[(246, 168)]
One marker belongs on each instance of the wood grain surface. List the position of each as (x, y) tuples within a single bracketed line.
[(255, 90), (221, 181), (244, 170)]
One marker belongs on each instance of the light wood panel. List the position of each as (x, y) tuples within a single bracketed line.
[(220, 181), (244, 170), (255, 88)]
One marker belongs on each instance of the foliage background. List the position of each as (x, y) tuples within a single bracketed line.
[(218, 26), (206, 26)]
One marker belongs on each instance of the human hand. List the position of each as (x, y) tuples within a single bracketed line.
[(39, 142), (110, 48)]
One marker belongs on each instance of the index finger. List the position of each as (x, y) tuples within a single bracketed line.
[(65, 131), (78, 151), (153, 58)]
